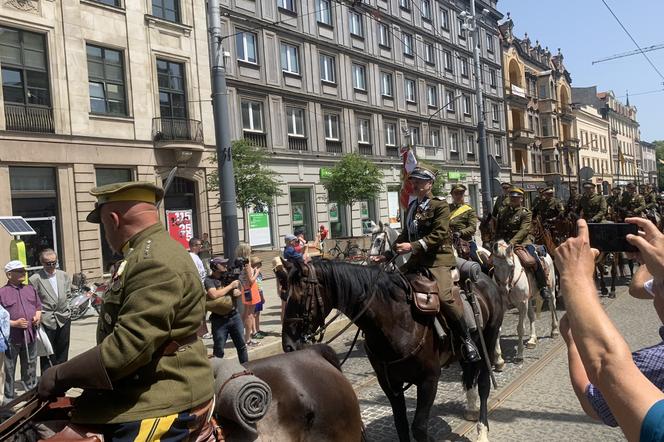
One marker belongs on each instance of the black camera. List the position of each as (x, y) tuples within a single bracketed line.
[(240, 262)]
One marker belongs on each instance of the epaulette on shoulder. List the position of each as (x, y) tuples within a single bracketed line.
[(440, 198), (147, 250)]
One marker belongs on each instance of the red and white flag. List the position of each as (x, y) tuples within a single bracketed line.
[(409, 161)]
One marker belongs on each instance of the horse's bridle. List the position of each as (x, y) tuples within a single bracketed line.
[(313, 303)]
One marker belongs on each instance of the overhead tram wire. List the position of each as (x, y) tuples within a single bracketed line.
[(633, 40)]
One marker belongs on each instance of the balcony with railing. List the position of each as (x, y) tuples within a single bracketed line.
[(26, 118), (177, 131), (297, 143), (516, 96), (258, 139), (365, 149), (333, 146)]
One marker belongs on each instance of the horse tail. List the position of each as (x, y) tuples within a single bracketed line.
[(328, 354)]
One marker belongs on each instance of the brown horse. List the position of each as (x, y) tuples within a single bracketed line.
[(403, 347), (311, 401)]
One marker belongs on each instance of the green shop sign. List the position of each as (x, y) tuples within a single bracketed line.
[(258, 220), (456, 175)]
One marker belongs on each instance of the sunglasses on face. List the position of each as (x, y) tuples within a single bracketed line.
[(17, 271), (49, 263)]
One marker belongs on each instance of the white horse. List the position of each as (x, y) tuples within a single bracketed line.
[(519, 287)]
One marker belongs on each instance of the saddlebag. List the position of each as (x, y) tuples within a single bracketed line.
[(425, 293), (527, 260)]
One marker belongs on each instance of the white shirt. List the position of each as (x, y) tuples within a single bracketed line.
[(54, 283), (199, 265)]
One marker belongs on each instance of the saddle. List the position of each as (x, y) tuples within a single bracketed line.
[(529, 262)]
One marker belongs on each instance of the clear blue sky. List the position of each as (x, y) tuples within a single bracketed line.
[(585, 30)]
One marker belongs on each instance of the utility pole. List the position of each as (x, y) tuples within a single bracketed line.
[(485, 173), (222, 133)]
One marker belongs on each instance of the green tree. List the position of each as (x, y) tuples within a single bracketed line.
[(255, 184), (659, 152), (353, 179)]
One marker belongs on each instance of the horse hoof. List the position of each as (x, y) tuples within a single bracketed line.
[(531, 345), (471, 415), (518, 358), (555, 333), (499, 367)]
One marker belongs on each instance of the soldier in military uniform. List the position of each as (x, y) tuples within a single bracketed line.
[(613, 203), (650, 197), (148, 378), (427, 236), (463, 220), (513, 227), (548, 207), (572, 205), (592, 206), (631, 203), (503, 200)]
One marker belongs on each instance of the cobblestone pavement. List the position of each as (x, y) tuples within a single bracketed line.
[(446, 415)]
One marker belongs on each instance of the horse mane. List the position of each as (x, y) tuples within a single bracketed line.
[(354, 283)]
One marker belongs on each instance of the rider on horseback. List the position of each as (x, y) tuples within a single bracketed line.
[(572, 206), (427, 237), (548, 208), (592, 206), (631, 204), (503, 200), (513, 226), (612, 203)]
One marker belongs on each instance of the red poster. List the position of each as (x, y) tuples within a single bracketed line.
[(179, 226)]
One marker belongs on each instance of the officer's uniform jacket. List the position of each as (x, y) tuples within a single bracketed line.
[(501, 201), (650, 200), (573, 204), (593, 208), (463, 219), (428, 232), (632, 204), (513, 225), (155, 297), (613, 203), (548, 209)]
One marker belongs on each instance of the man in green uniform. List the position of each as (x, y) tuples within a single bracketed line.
[(148, 378), (463, 219), (427, 237), (631, 203), (548, 207), (513, 227), (592, 206), (613, 202), (650, 197), (503, 200), (572, 205)]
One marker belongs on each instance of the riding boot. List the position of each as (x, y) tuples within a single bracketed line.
[(469, 350), (540, 278)]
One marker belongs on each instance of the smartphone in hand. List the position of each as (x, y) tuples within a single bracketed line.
[(612, 237)]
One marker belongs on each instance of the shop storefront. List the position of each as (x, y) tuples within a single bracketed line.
[(301, 210)]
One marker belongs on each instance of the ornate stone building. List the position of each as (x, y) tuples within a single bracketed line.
[(594, 145)]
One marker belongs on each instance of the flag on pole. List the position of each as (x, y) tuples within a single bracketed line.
[(409, 161)]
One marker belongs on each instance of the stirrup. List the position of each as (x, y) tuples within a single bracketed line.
[(469, 351)]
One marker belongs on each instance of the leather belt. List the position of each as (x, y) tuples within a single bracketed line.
[(175, 345)]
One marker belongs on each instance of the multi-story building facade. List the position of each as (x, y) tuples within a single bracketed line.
[(648, 163), (101, 91), (312, 80), (594, 147), (624, 131), (539, 114)]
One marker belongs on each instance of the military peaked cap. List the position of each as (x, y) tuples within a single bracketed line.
[(458, 186), (126, 191)]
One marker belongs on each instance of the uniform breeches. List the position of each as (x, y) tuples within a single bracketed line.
[(449, 304)]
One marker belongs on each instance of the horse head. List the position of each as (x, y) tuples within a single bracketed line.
[(503, 258), (304, 313)]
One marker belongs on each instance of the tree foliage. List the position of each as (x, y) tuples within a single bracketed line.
[(255, 184), (353, 179)]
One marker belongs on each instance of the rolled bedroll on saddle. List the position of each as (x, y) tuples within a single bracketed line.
[(241, 397), (468, 270)]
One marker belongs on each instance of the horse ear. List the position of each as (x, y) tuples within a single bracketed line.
[(509, 250)]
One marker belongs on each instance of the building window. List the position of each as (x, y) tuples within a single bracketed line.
[(492, 78), (408, 50), (495, 112), (445, 19), (332, 127), (467, 109), (325, 12), (425, 5), (287, 5), (24, 71), (414, 134), (449, 64), (384, 35), (470, 144), (386, 84), (434, 137), (454, 142), (464, 67), (245, 45), (109, 2), (356, 24), (489, 43), (498, 147), (103, 177), (411, 93), (290, 61), (363, 131), (432, 95), (252, 116), (166, 9), (359, 77), (450, 101), (404, 4), (390, 134), (295, 117), (172, 97), (328, 72), (106, 81), (462, 30), (429, 55)]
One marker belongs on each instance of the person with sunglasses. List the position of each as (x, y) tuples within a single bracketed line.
[(54, 289), (24, 307)]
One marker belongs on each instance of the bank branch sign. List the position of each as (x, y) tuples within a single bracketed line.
[(259, 228)]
